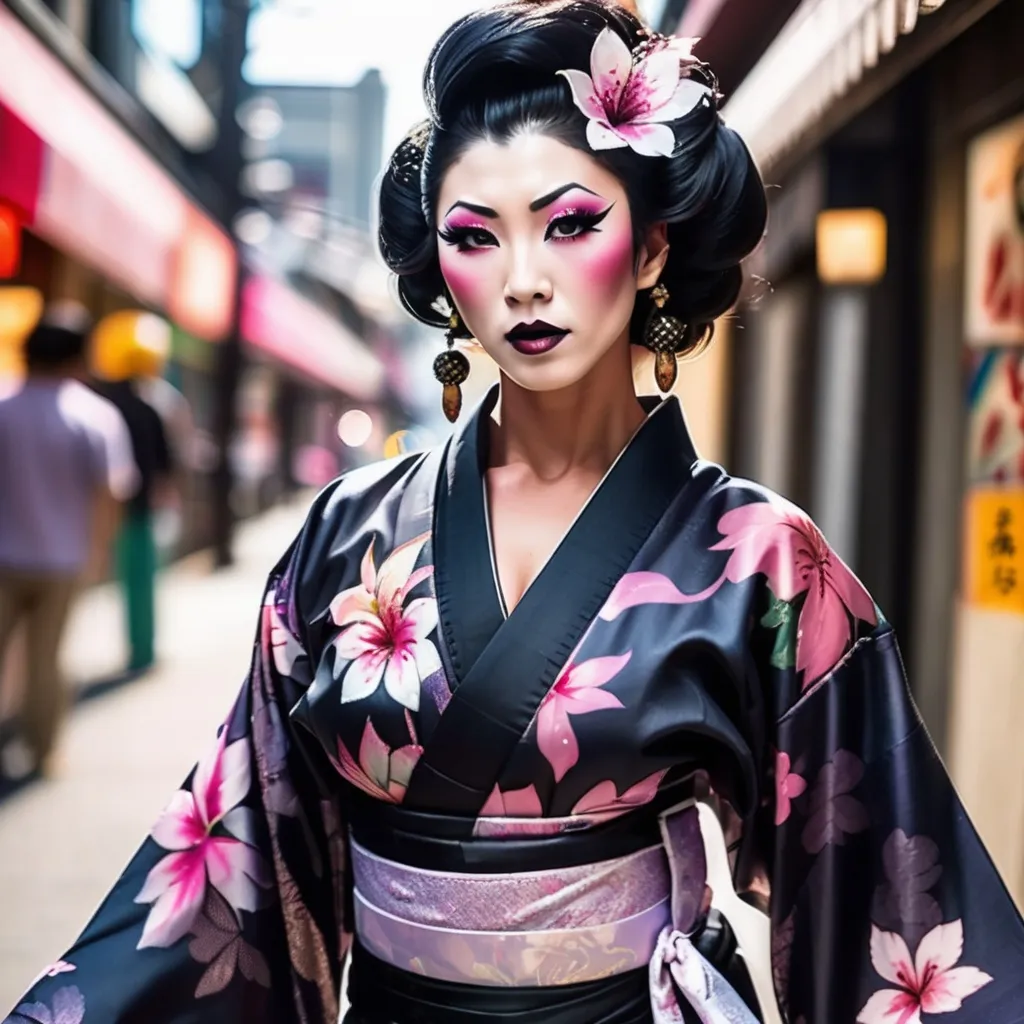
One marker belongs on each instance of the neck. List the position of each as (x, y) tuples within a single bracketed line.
[(582, 427)]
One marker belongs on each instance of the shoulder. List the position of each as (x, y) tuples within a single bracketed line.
[(363, 506), (806, 589), (92, 412), (365, 500)]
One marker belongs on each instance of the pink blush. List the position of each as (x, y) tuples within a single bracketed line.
[(607, 259), (462, 280)]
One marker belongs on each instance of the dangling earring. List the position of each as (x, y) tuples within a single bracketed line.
[(665, 336), (451, 368)]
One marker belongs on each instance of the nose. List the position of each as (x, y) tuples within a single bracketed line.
[(527, 281)]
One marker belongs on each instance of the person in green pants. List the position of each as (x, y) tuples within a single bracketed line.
[(136, 551)]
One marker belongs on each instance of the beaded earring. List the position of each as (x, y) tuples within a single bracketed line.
[(665, 336), (451, 368)]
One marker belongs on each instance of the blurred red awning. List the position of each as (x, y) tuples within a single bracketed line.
[(279, 321), (100, 195)]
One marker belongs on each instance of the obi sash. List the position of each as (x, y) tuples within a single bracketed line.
[(555, 927)]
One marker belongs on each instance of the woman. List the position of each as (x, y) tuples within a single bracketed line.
[(491, 680)]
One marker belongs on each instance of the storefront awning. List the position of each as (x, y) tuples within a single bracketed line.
[(101, 196), (280, 322), (822, 51)]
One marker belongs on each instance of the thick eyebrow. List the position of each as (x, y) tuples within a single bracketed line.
[(547, 200), (483, 211)]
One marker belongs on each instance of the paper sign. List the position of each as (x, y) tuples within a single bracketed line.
[(995, 549)]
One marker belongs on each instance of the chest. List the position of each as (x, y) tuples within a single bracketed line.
[(527, 519)]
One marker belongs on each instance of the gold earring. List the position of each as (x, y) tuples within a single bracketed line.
[(451, 368), (665, 336)]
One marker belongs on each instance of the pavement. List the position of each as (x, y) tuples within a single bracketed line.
[(64, 841)]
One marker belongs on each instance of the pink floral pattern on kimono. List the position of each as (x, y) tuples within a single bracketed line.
[(576, 691), (176, 886), (778, 540), (788, 786), (380, 772), (512, 803), (604, 798), (68, 1008), (383, 638), (929, 983)]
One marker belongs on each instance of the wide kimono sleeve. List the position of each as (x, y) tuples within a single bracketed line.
[(232, 911), (885, 905)]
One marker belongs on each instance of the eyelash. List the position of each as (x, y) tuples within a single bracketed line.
[(585, 220)]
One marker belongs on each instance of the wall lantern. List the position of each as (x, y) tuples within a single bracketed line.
[(10, 241), (851, 246)]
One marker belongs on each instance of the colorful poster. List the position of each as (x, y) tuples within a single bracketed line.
[(994, 548), (995, 424), (994, 312)]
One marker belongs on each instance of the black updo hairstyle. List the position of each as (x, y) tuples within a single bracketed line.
[(493, 75)]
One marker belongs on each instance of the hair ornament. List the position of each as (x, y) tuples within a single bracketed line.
[(407, 162), (629, 96)]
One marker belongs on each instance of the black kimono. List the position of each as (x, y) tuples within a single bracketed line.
[(503, 809)]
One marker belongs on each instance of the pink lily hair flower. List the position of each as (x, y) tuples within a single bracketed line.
[(176, 886), (777, 539), (381, 772), (383, 637), (788, 786), (928, 983), (627, 102), (576, 691)]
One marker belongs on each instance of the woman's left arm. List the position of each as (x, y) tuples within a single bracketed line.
[(885, 905)]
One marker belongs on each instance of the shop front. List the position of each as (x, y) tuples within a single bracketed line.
[(875, 380)]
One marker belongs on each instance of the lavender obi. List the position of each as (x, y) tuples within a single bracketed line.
[(537, 928)]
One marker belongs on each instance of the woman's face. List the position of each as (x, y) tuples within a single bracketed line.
[(536, 246)]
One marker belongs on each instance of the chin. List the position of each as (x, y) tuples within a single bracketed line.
[(543, 379)]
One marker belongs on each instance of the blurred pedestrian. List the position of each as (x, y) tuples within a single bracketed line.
[(65, 465), (137, 560)]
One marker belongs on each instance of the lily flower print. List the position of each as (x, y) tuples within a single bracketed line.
[(383, 637), (381, 772), (929, 983), (777, 539), (176, 886), (576, 691), (628, 102)]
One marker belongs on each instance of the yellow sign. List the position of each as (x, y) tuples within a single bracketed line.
[(994, 549)]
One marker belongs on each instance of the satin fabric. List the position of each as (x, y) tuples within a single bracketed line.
[(735, 656)]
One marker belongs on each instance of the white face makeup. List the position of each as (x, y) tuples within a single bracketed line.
[(536, 246)]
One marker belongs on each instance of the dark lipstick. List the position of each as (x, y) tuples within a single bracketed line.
[(533, 339)]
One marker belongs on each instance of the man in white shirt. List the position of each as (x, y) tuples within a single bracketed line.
[(65, 465)]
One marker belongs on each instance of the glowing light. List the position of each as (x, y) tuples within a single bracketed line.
[(355, 428), (253, 227), (851, 246), (10, 241), (203, 286)]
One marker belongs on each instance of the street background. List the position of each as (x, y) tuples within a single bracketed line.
[(198, 177), (63, 843)]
